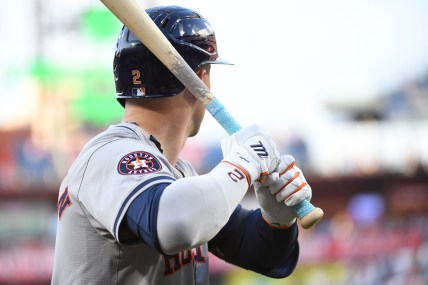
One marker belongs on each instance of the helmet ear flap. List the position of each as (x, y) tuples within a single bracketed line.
[(139, 74)]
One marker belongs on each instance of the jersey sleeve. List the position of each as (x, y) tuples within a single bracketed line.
[(116, 173), (248, 242)]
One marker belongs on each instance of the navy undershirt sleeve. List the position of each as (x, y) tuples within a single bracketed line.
[(142, 215), (249, 242)]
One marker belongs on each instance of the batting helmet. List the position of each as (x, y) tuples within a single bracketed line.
[(139, 74)]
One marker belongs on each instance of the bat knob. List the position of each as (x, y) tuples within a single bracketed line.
[(311, 218)]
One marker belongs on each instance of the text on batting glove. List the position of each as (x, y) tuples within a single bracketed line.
[(252, 150)]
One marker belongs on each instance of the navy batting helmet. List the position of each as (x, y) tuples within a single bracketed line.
[(139, 74)]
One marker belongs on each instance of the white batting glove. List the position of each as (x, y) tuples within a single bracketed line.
[(291, 187), (253, 150), (275, 214), (282, 189)]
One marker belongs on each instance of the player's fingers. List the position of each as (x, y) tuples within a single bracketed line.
[(286, 162), (284, 180), (264, 172), (290, 190), (271, 179), (303, 192), (289, 167)]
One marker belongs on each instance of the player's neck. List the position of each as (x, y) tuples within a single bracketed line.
[(171, 131)]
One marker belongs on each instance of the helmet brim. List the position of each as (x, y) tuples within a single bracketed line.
[(218, 60)]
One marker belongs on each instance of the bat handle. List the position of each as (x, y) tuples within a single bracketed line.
[(306, 212), (223, 117)]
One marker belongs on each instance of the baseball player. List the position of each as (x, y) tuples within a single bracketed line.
[(131, 211)]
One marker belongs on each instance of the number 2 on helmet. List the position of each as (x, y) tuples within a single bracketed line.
[(136, 77)]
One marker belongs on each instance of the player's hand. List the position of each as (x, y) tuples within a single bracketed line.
[(253, 150), (283, 188), (291, 187)]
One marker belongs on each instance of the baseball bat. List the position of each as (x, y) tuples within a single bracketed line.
[(132, 15)]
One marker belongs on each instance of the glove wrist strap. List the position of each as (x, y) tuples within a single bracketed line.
[(275, 224)]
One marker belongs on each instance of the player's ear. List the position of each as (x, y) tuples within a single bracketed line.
[(203, 70), (203, 73)]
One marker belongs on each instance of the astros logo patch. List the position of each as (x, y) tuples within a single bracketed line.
[(138, 162)]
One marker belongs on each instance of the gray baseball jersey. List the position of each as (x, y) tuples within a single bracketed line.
[(112, 169)]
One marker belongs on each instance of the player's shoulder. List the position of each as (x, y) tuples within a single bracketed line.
[(122, 131), (125, 139), (186, 167), (120, 142), (120, 155), (125, 133)]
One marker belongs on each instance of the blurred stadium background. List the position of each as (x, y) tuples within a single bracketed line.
[(342, 85)]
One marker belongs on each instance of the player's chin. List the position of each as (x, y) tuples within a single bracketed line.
[(196, 128), (195, 131), (197, 121)]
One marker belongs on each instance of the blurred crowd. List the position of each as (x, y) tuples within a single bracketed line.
[(392, 251), (363, 243)]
